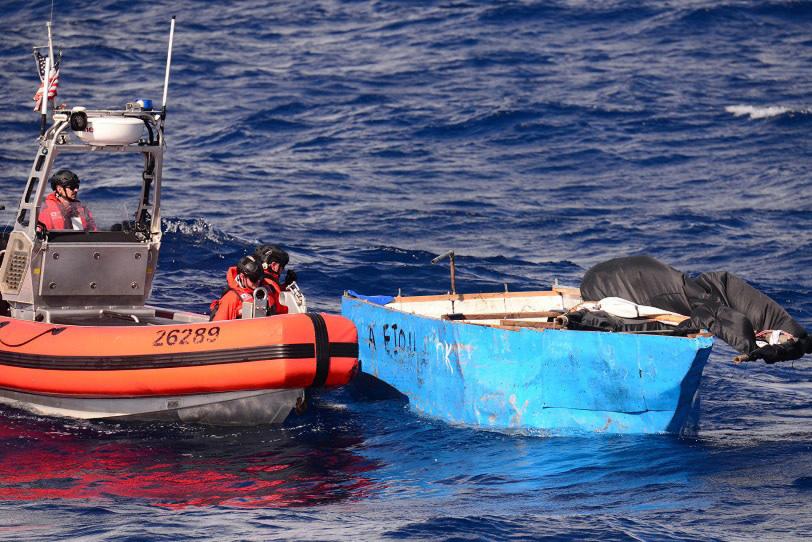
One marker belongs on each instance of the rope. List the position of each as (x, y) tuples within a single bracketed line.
[(52, 331)]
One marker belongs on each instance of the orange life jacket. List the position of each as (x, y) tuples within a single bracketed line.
[(274, 291)]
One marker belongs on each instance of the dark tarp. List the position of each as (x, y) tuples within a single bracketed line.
[(603, 321), (719, 301)]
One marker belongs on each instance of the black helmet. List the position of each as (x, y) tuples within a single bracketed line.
[(64, 177), (267, 254), (250, 267)]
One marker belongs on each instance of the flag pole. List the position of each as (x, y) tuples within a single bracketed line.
[(43, 120), (168, 64), (50, 44), (46, 83)]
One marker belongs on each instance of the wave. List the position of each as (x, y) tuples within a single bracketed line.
[(764, 112), (196, 231), (480, 123)]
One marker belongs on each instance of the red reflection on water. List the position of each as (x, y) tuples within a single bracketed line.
[(238, 471)]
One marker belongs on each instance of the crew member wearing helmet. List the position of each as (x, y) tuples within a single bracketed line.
[(62, 209), (274, 259), (242, 279)]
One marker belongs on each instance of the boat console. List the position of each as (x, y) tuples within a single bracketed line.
[(79, 274), (44, 271)]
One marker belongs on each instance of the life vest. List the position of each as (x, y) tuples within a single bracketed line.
[(274, 291), (73, 216)]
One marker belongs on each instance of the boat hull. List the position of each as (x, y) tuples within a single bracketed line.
[(235, 372), (227, 408), (529, 380)]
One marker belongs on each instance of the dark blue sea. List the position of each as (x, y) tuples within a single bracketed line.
[(535, 139)]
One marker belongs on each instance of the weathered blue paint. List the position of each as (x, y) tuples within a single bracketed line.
[(556, 381)]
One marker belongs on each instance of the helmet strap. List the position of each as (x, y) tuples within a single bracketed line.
[(64, 195)]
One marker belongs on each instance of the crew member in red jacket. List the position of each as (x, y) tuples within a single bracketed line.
[(274, 259), (62, 209), (242, 280)]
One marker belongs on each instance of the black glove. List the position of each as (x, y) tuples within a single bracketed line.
[(42, 230), (290, 278), (773, 353)]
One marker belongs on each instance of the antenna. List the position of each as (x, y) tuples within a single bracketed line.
[(50, 41), (168, 64)]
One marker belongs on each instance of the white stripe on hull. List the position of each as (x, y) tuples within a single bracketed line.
[(254, 407)]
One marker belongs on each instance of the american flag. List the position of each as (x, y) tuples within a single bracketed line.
[(53, 83)]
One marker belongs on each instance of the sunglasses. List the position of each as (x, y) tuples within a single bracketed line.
[(72, 186)]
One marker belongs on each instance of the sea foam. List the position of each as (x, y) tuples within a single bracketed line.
[(758, 112)]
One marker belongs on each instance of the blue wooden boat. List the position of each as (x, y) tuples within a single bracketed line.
[(500, 362)]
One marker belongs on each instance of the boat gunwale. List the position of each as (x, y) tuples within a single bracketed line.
[(558, 291), (513, 328), (174, 360)]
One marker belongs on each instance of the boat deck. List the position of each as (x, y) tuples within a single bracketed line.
[(537, 310), (110, 320), (123, 317)]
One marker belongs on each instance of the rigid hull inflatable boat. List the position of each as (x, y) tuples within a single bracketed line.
[(76, 336), (159, 368)]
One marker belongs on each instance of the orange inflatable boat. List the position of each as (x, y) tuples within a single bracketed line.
[(239, 371)]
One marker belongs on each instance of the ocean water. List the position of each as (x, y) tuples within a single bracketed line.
[(533, 138)]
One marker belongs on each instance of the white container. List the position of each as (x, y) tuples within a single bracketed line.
[(112, 131)]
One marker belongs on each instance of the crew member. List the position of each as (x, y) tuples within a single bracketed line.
[(274, 259), (62, 209), (242, 279)]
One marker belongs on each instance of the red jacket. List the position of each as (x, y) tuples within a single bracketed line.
[(57, 216), (229, 307)]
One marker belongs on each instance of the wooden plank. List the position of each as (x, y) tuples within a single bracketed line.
[(568, 290), (526, 323), (672, 319), (502, 315), (469, 297)]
